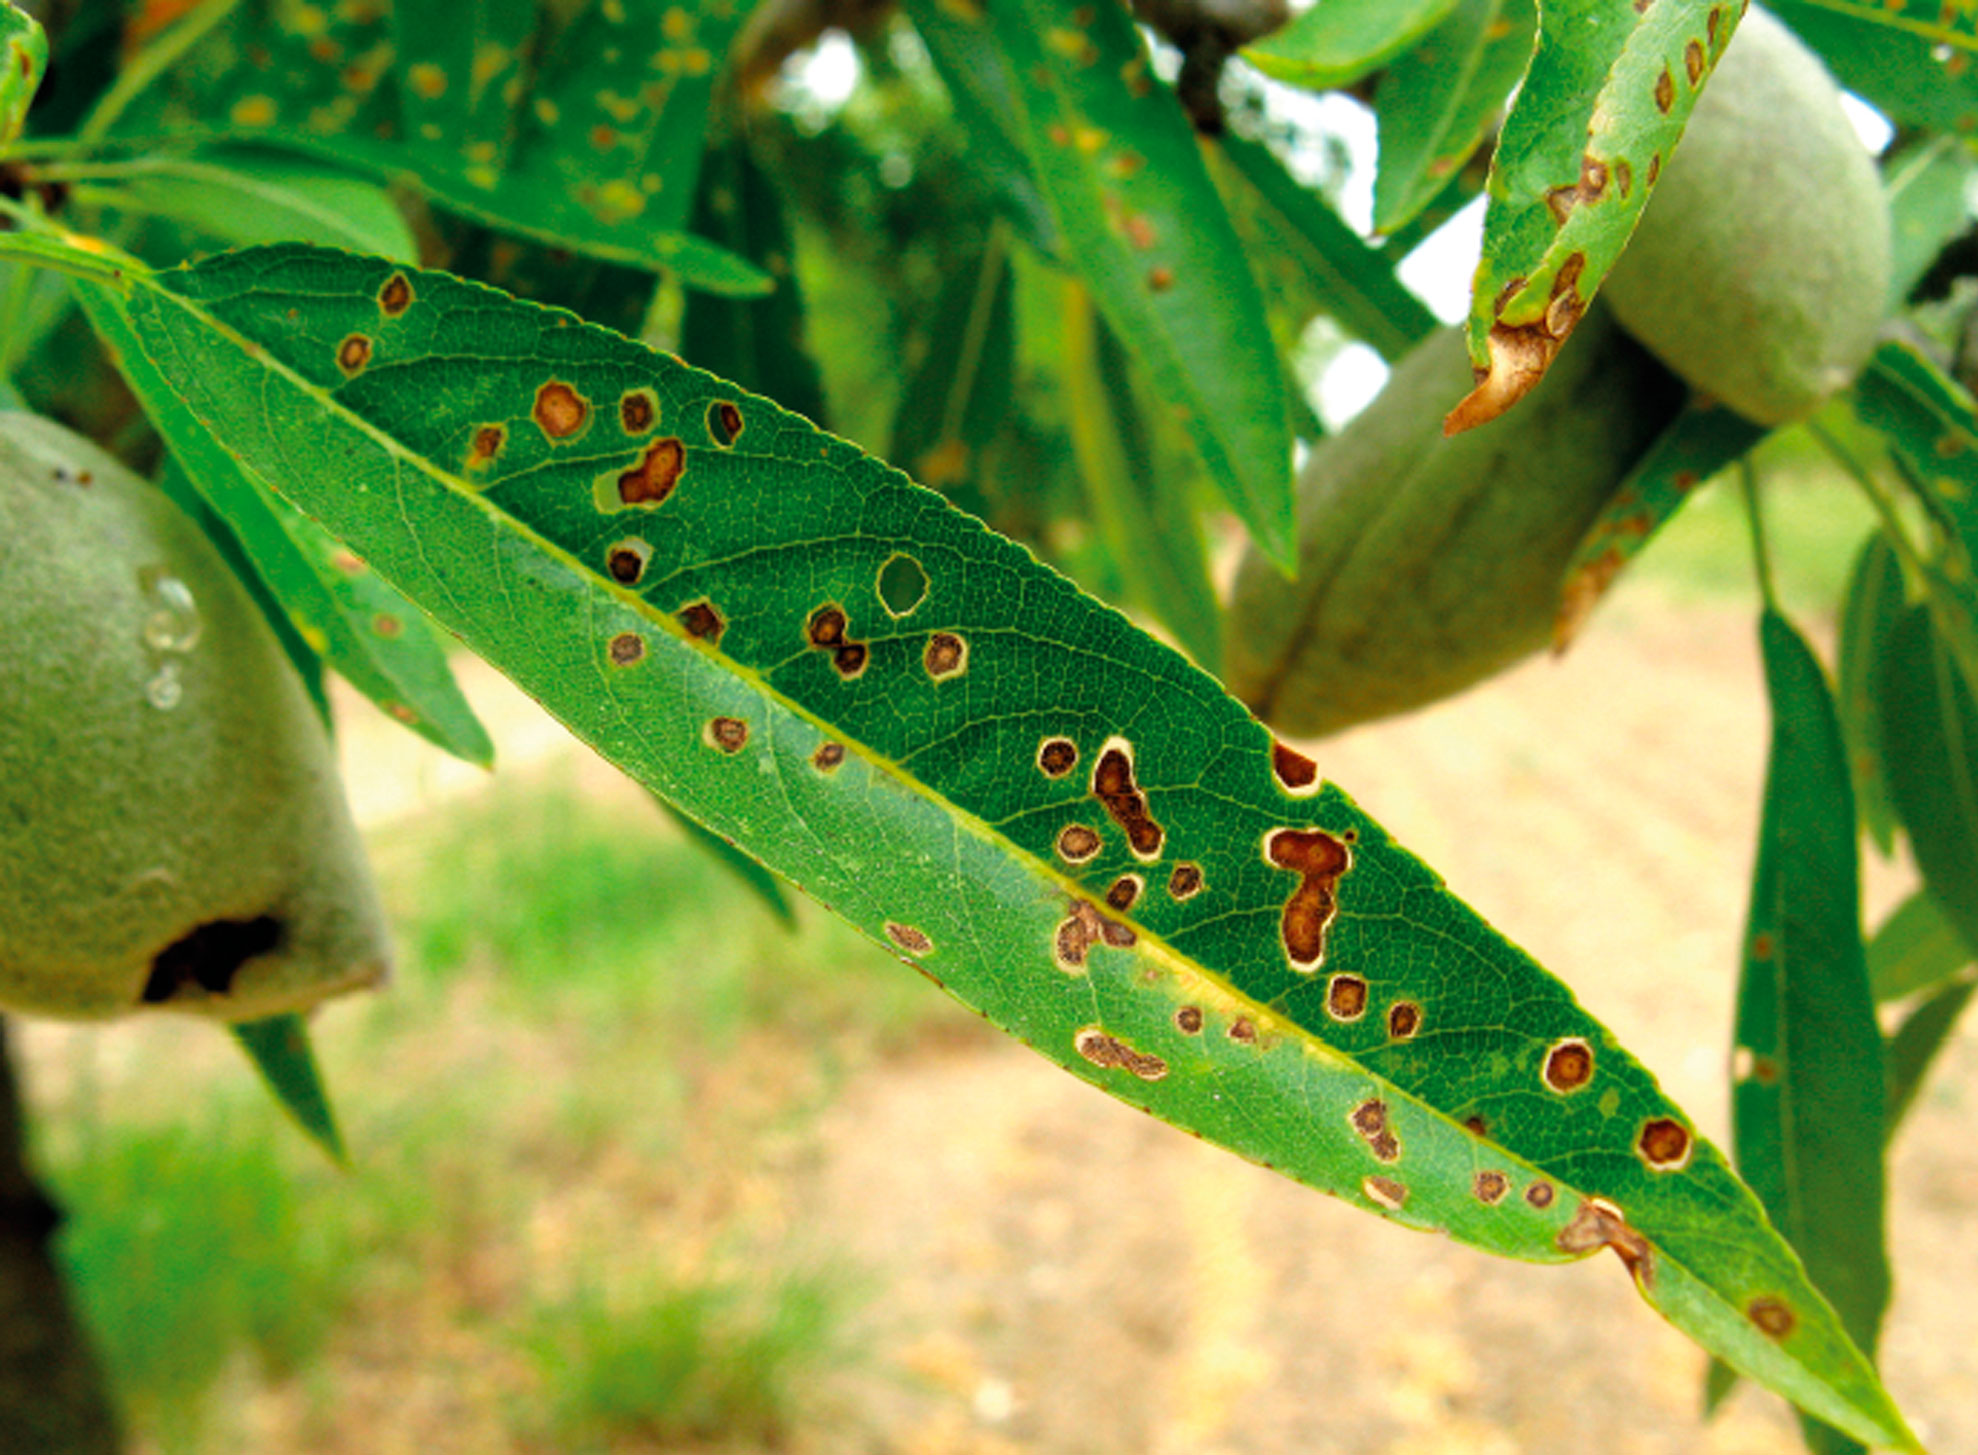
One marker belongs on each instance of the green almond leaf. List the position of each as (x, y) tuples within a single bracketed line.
[(248, 197), (1916, 949), (345, 614), (1932, 428), (1905, 59), (461, 66), (1118, 164), (1875, 599), (1340, 41), (1807, 1097), (280, 1050), (23, 60), (957, 401), (758, 342), (984, 98), (1310, 258), (1147, 523), (1914, 1046), (1041, 808), (1926, 187), (1611, 85), (1929, 726), (1435, 103), (760, 882), (1699, 442), (620, 112)]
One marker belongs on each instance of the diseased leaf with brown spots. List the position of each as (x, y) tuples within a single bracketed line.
[(1042, 808), (1807, 1096), (1610, 86)]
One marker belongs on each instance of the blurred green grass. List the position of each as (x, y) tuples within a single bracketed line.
[(557, 1120)]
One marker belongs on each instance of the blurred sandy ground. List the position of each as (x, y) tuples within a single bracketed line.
[(1049, 1271)]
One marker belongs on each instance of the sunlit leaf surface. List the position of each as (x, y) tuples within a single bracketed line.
[(1041, 808)]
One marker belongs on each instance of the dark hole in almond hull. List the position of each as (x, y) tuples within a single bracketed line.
[(209, 957)]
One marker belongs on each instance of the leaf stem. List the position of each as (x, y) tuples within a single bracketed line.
[(1885, 508), (1761, 558)]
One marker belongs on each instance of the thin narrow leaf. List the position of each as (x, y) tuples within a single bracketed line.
[(1914, 1046), (1916, 949), (1118, 163), (463, 64), (984, 97), (1310, 257), (1807, 1100), (1340, 41), (1927, 208), (1436, 103), (244, 197), (1147, 523), (1874, 601), (23, 59), (1699, 442), (1930, 757), (369, 633), (1904, 59), (1050, 813), (747, 870), (957, 400), (280, 1050), (1610, 87), (758, 342)]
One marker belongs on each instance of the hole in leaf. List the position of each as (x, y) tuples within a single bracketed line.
[(902, 585)]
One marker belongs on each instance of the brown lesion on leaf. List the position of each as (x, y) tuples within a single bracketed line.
[(1489, 1187), (1664, 1144), (1056, 757), (1665, 92), (627, 648), (1594, 174), (1077, 843), (726, 734), (638, 410), (1694, 62), (486, 446), (1771, 1316), (1346, 997), (724, 423), (653, 478), (946, 656), (1476, 1125), (1185, 882), (1370, 1120), (1385, 1191), (1540, 1195), (828, 630), (1654, 168), (353, 354), (625, 561), (1080, 930), (1160, 279), (1319, 859), (1114, 786), (1624, 177), (1188, 1020), (913, 941), (1109, 1052), (1568, 1065), (1296, 774), (1404, 1019), (1519, 356), (1243, 1031), (1123, 891), (1598, 1223), (560, 411), (827, 757), (395, 296), (702, 621)]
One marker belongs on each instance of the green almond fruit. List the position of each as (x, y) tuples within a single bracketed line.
[(1427, 563), (1760, 267), (172, 827)]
